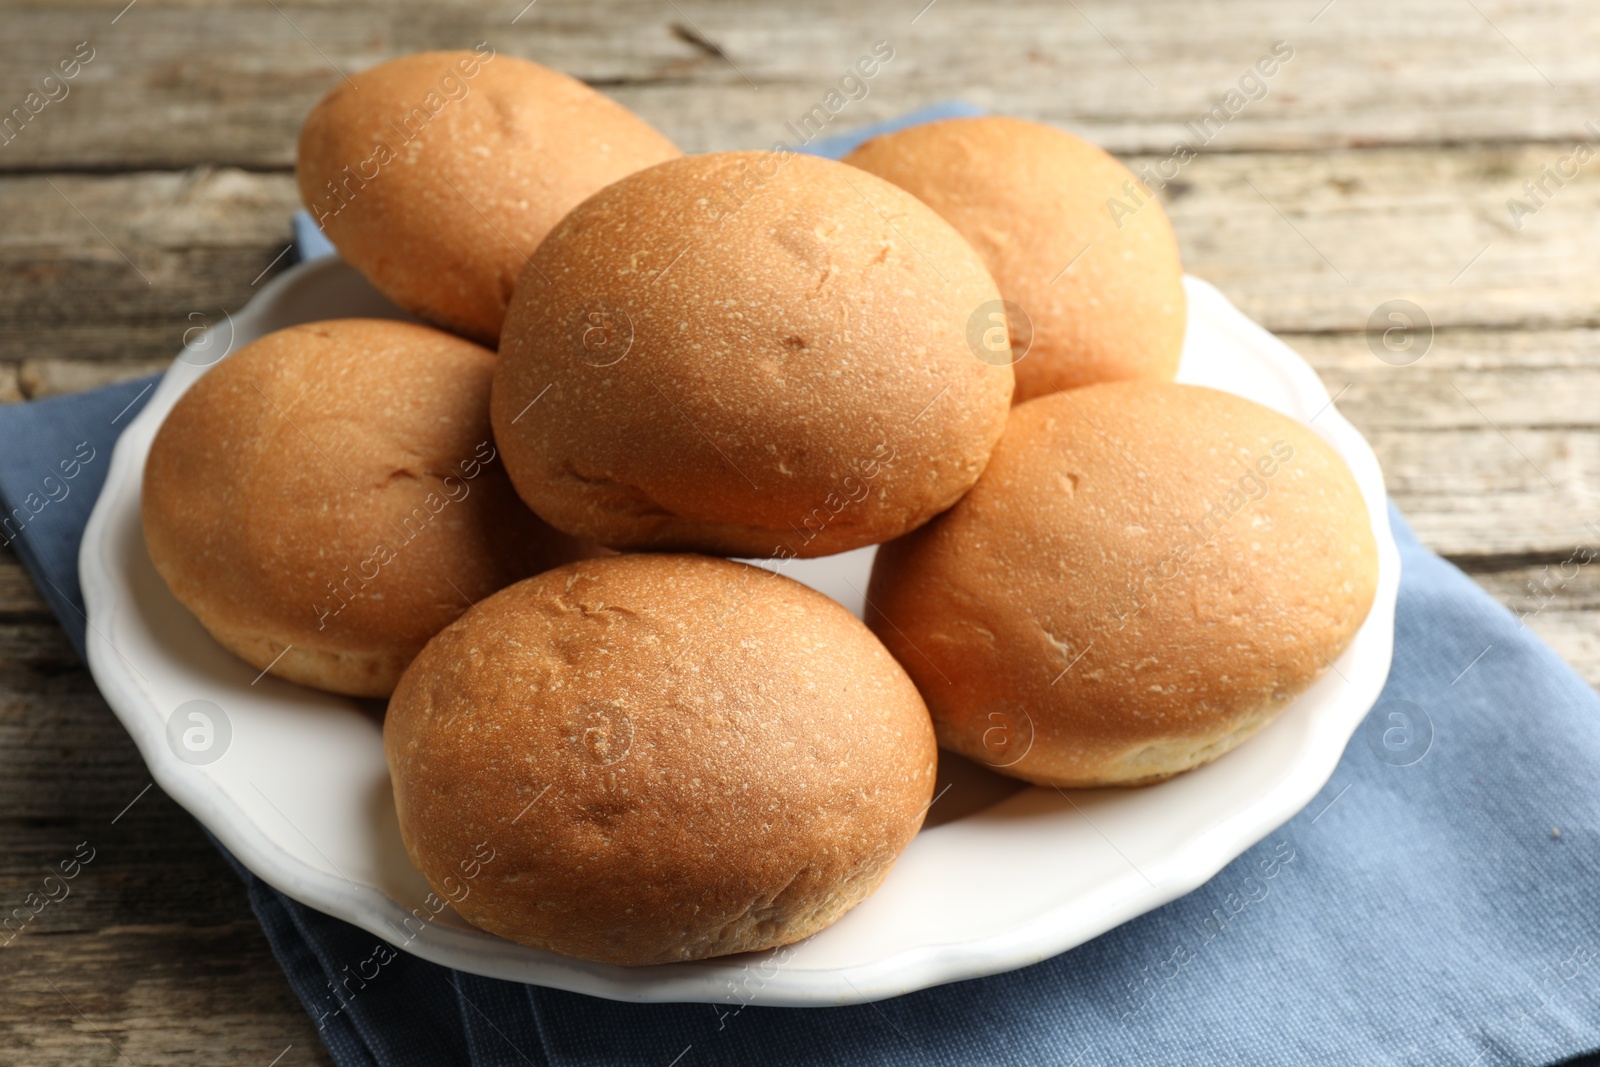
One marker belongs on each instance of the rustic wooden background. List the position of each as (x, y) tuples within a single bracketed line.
[(158, 193)]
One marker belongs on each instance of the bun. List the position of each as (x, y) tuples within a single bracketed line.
[(1070, 235), (751, 354), (1145, 576), (665, 757), (436, 175), (328, 498)]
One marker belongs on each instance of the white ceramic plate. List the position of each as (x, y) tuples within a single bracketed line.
[(1002, 876)]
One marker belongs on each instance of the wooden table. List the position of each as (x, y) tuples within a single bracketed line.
[(1377, 166)]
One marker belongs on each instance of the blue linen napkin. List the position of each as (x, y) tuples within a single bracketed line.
[(1438, 903)]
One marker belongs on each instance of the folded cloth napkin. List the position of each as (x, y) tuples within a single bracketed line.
[(1438, 903)]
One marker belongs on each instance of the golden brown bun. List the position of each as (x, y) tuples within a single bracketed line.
[(668, 756), (747, 353), (458, 165), (328, 497), (1145, 576), (1031, 198)]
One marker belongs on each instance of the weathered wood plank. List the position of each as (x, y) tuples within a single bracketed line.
[(1472, 494), (1489, 441), (153, 255), (19, 600), (1575, 636), (231, 82), (154, 940), (1316, 242), (43, 650), (70, 774), (1338, 357), (153, 995)]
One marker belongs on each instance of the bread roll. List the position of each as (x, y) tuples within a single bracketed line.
[(1070, 235), (747, 353), (436, 175), (1145, 576), (655, 758), (329, 497)]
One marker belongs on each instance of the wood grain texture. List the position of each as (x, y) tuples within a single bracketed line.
[(154, 198), (176, 995), (154, 942), (154, 254), (19, 600), (1560, 602), (1489, 442), (231, 82)]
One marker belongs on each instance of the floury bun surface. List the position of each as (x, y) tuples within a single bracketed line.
[(750, 354), (328, 497), (1145, 576), (665, 757), (437, 174), (1070, 235)]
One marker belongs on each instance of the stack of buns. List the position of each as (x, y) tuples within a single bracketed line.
[(641, 752)]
